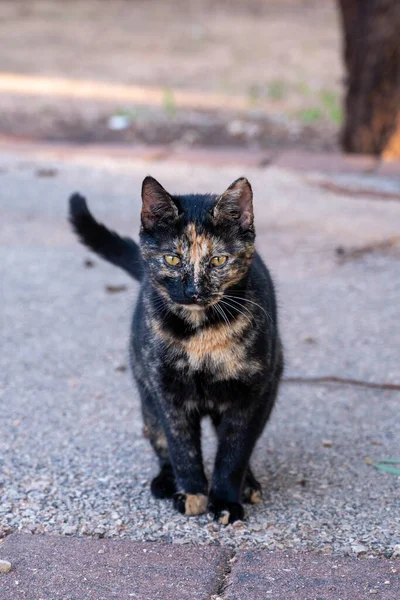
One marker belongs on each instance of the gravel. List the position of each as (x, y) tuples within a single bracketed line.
[(73, 460)]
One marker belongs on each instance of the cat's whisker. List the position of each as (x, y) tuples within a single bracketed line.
[(221, 312), (159, 308), (218, 310), (251, 302), (215, 310), (238, 303), (245, 300), (226, 318), (130, 307), (226, 310), (237, 310)]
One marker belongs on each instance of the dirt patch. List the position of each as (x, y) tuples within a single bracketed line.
[(61, 122), (260, 50)]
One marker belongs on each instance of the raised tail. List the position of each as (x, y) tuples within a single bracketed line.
[(120, 251)]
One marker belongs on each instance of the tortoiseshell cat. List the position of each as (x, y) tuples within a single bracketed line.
[(204, 338)]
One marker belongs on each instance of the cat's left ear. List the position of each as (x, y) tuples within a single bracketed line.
[(236, 203)]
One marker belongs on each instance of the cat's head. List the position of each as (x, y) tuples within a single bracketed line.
[(196, 246)]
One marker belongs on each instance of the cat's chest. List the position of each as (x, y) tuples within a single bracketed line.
[(222, 352), (216, 350)]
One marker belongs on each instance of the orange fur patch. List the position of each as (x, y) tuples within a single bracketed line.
[(219, 345), (195, 504), (255, 497), (200, 247), (224, 518)]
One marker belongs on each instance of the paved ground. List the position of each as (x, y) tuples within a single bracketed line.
[(60, 568), (56, 568), (73, 461)]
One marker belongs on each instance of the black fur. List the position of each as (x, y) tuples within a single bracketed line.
[(122, 252), (204, 339)]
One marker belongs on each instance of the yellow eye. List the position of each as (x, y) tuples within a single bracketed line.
[(218, 261), (171, 260)]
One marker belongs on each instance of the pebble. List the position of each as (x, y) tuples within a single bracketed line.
[(118, 122), (236, 127), (5, 566), (396, 551), (359, 548)]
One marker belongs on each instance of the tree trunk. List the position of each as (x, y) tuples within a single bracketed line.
[(371, 31)]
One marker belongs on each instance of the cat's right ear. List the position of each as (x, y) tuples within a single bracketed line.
[(157, 205)]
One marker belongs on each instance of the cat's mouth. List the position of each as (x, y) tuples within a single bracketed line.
[(200, 304)]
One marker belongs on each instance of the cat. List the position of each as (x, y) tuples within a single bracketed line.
[(204, 338)]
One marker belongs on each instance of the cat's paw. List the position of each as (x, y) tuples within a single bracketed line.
[(190, 504), (163, 486), (251, 493), (226, 512)]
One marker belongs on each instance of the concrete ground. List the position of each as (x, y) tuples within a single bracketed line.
[(72, 458)]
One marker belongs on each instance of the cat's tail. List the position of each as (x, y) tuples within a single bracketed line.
[(120, 251)]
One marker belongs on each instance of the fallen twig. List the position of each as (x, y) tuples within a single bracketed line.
[(353, 253), (343, 381)]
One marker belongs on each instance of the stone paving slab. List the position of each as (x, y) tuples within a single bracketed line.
[(279, 576), (68, 568), (65, 568)]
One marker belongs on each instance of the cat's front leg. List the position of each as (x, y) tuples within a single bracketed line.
[(183, 434), (238, 432)]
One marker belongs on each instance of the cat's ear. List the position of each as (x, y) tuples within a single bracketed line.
[(236, 203), (157, 205)]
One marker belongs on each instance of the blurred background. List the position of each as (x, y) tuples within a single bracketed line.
[(261, 74), (256, 74)]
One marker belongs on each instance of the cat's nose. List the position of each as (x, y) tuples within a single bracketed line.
[(191, 293)]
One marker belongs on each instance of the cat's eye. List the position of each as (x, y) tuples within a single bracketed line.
[(172, 260), (218, 261)]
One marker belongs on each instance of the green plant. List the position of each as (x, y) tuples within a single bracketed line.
[(331, 104), (130, 113), (310, 115), (388, 465), (253, 95)]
